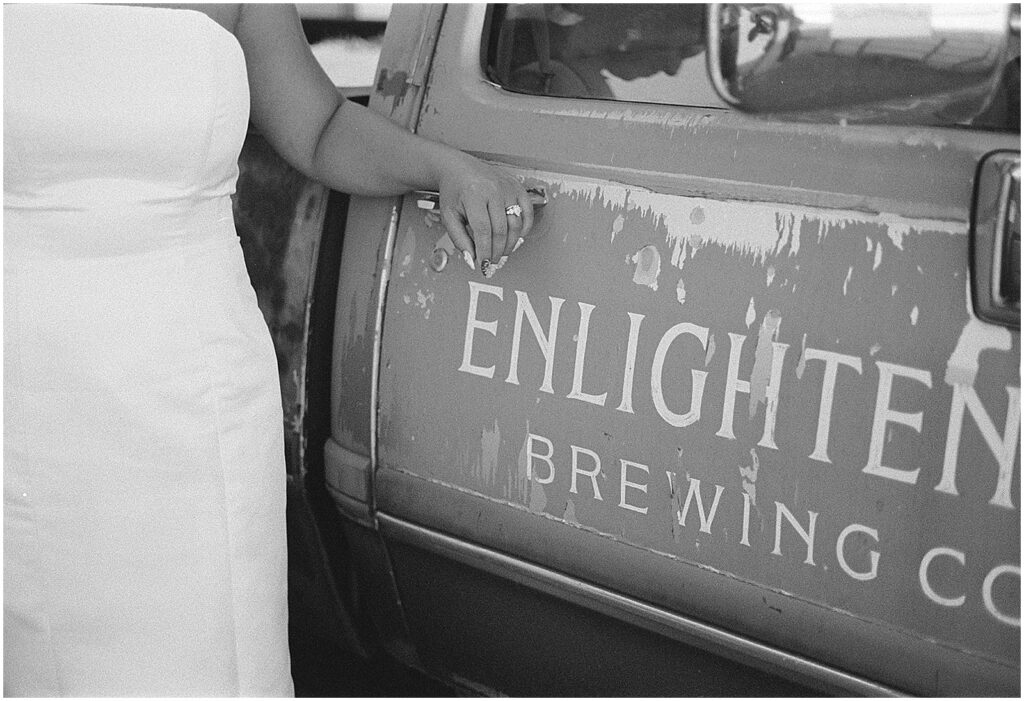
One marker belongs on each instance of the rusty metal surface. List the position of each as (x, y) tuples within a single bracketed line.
[(408, 46), (743, 350), (279, 215)]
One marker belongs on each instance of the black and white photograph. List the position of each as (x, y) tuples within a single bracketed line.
[(607, 350)]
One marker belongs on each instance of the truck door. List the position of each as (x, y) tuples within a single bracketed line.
[(730, 390)]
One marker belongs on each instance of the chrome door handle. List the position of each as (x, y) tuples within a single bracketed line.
[(431, 201)]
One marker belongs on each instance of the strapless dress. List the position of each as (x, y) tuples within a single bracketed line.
[(144, 479)]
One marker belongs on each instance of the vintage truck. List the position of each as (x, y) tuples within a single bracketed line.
[(742, 414)]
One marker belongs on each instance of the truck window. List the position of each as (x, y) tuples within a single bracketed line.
[(346, 39), (626, 52)]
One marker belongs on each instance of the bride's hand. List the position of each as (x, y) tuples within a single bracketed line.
[(491, 203)]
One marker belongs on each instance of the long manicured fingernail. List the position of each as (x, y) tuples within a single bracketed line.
[(468, 257)]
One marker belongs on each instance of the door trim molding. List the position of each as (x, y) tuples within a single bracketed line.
[(632, 611)]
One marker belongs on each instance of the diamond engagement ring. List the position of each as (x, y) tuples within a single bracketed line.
[(514, 210)]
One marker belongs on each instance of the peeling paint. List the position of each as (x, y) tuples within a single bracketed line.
[(538, 499), (769, 276), (394, 85), (522, 483), (802, 364), (914, 313), (754, 229), (570, 512), (648, 267), (846, 282), (896, 228), (924, 139), (406, 251), (749, 476), (675, 498), (761, 374), (977, 336), (878, 257), (873, 351), (423, 301), (620, 221), (681, 291), (751, 313)]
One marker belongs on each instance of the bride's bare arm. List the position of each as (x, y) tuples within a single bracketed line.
[(352, 149)]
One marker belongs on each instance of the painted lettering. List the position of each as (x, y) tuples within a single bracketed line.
[(884, 415), (807, 535), (698, 376), (828, 387), (733, 385), (922, 576), (1003, 447), (472, 324), (986, 594), (624, 483), (745, 539), (532, 438), (841, 552), (592, 474), (546, 341), (770, 387), (694, 492), (581, 354), (626, 404)]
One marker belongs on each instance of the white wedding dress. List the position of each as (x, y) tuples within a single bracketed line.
[(144, 479)]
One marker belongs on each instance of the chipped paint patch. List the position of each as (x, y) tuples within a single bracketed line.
[(538, 499), (393, 85), (914, 314), (749, 476), (769, 276), (423, 301), (878, 257), (977, 336), (896, 227), (675, 498), (802, 364), (873, 351), (846, 282), (620, 221), (749, 228), (570, 513), (751, 313), (761, 374), (490, 441), (648, 267), (681, 291), (406, 251)]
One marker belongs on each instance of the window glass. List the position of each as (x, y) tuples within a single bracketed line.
[(632, 52), (346, 39)]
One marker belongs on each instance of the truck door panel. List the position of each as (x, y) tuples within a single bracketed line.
[(733, 375)]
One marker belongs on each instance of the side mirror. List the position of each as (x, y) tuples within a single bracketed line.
[(886, 63)]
